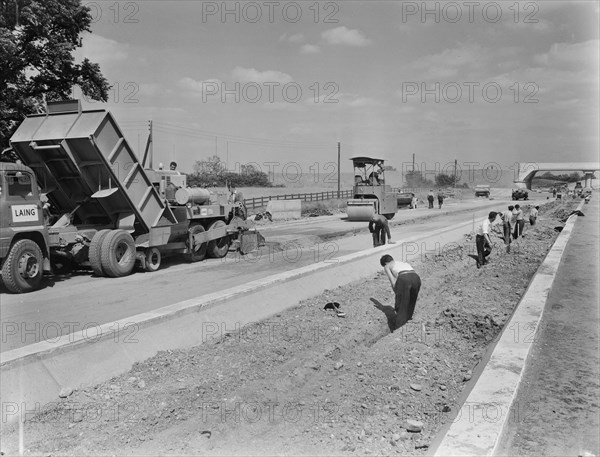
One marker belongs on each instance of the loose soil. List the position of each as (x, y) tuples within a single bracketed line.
[(308, 382)]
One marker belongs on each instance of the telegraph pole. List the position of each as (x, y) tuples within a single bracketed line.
[(150, 142), (338, 168), (455, 163)]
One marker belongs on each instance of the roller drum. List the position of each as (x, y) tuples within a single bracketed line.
[(361, 210), (194, 195)]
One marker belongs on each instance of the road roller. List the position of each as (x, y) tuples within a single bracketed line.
[(103, 209), (371, 194)]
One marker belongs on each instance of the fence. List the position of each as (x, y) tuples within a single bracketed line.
[(261, 202)]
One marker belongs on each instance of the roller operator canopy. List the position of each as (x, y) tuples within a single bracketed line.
[(362, 161)]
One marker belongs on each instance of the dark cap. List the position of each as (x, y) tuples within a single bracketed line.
[(492, 215)]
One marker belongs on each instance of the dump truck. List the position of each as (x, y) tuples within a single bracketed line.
[(370, 193), (106, 211)]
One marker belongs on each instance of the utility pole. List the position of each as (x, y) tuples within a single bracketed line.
[(150, 143), (455, 163), (338, 168)]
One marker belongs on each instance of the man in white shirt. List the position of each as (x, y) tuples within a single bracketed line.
[(533, 215), (482, 239), (406, 284)]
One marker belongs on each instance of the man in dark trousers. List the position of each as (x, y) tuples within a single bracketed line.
[(430, 199), (507, 221), (440, 197), (379, 227), (482, 239), (406, 284)]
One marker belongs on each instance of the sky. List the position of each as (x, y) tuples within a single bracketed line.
[(279, 84)]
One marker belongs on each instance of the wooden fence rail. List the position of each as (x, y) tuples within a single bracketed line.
[(261, 202)]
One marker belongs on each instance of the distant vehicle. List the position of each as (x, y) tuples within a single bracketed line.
[(520, 194), (404, 198), (482, 190)]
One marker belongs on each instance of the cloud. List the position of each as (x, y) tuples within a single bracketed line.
[(448, 63), (310, 49), (345, 36), (252, 75), (296, 38), (101, 50), (197, 88), (569, 56)]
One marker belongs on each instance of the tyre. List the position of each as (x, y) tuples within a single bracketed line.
[(153, 258), (22, 269), (218, 248), (94, 252), (197, 253), (117, 254)]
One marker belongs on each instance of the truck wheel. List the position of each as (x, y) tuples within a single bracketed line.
[(94, 252), (22, 269), (196, 253), (153, 259), (117, 254), (218, 248)]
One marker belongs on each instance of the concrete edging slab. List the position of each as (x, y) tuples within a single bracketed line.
[(490, 400)]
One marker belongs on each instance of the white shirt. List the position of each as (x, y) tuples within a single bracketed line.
[(484, 227), (400, 266)]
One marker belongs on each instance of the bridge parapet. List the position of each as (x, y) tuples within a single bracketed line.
[(527, 170)]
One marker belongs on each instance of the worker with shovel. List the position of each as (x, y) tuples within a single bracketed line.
[(406, 284), (379, 227)]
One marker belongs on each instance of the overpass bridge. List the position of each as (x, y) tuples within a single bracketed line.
[(527, 171)]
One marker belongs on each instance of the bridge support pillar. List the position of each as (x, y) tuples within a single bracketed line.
[(588, 179)]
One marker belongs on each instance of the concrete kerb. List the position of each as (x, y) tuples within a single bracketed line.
[(492, 396), (32, 376)]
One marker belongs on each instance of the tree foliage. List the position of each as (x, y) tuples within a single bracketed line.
[(417, 180), (443, 180), (37, 40), (213, 172)]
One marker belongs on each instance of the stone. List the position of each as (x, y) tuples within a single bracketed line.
[(132, 379), (338, 365), (65, 392), (395, 437), (141, 384), (416, 387), (443, 387), (468, 375), (412, 425)]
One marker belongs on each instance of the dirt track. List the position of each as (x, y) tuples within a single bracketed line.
[(308, 382)]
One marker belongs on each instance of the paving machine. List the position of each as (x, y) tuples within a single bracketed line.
[(109, 212), (371, 194)]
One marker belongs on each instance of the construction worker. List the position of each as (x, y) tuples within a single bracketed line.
[(507, 221), (519, 220), (533, 215), (482, 239), (440, 197), (430, 198), (406, 284), (379, 227)]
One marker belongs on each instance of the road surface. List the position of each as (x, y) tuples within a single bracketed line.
[(70, 304)]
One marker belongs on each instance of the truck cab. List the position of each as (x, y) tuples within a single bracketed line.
[(23, 233)]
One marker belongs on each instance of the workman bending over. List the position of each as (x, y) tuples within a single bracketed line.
[(379, 227), (406, 284)]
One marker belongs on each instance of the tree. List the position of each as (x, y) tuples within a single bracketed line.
[(37, 39), (210, 166), (443, 180)]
